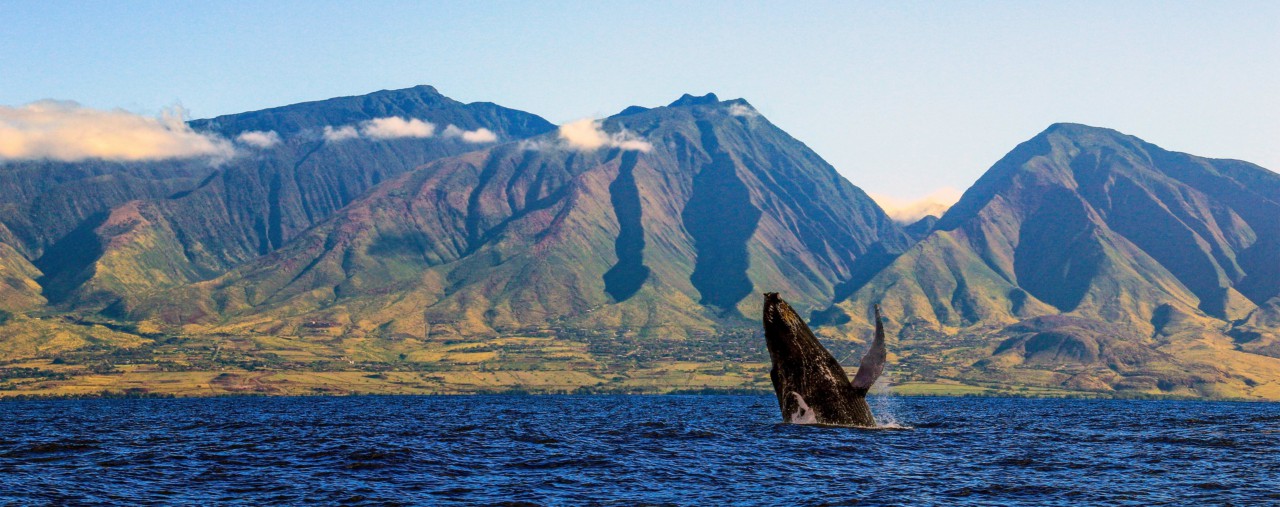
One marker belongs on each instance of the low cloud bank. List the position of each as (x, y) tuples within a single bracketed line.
[(480, 135), (69, 132), (588, 135), (340, 134), (395, 127), (258, 138), (743, 110), (907, 211)]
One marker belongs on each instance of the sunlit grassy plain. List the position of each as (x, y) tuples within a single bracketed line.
[(60, 356)]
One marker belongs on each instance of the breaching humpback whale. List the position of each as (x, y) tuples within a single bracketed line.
[(811, 386)]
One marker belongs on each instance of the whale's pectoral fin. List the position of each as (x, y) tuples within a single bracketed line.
[(873, 362)]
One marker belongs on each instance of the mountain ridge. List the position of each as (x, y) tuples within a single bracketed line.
[(693, 201), (1096, 227), (254, 204), (1083, 261)]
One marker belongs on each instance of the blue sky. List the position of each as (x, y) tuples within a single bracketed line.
[(903, 98)]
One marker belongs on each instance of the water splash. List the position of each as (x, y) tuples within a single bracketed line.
[(884, 406), (803, 414)]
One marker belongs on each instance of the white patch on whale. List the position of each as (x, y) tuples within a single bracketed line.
[(803, 414)]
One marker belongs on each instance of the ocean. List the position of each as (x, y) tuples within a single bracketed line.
[(633, 450)]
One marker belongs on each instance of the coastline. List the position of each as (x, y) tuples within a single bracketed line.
[(905, 390)]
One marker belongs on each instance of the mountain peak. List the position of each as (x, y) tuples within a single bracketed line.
[(424, 89), (1068, 126), (412, 102), (425, 95), (690, 100), (630, 110), (1080, 131)]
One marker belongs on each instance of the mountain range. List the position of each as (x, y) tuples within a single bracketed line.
[(1084, 261)]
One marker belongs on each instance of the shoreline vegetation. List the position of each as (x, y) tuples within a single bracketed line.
[(61, 357), (909, 390)]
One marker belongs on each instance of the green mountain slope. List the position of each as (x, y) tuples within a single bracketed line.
[(18, 288), (1088, 251), (666, 240), (41, 202), (259, 201)]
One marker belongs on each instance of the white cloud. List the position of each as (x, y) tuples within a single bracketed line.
[(393, 127), (743, 110), (907, 211), (588, 134), (480, 135), (258, 138), (533, 145), (340, 134), (584, 134), (69, 132)]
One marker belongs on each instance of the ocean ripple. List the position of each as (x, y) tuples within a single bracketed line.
[(626, 450)]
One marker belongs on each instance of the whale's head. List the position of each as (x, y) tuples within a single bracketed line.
[(786, 334), (775, 309), (771, 301)]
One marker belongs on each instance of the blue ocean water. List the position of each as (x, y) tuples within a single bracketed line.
[(629, 450)]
